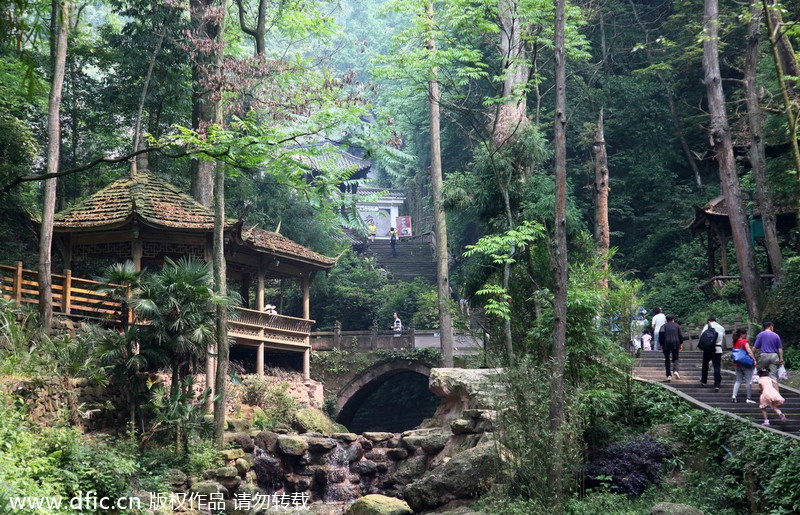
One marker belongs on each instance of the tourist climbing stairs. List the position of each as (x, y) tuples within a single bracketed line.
[(415, 258), (650, 366)]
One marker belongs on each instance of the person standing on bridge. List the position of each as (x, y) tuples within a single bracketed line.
[(658, 322), (671, 339), (397, 326), (769, 343), (713, 352)]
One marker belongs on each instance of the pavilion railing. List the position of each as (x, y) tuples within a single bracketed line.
[(713, 286), (259, 326), (79, 297)]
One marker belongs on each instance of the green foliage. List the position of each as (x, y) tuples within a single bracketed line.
[(274, 404), (357, 292), (783, 306), (60, 461), (720, 451)]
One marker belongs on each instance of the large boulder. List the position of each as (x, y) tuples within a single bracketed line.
[(669, 508), (463, 389), (292, 445), (308, 420), (375, 504), (266, 440), (466, 476)]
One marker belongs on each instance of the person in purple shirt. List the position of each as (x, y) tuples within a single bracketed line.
[(769, 343)]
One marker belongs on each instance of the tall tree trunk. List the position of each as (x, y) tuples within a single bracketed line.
[(559, 258), (141, 159), (786, 94), (723, 146), (220, 280), (510, 120), (508, 336), (512, 113), (439, 218), (258, 32), (53, 153), (601, 230), (203, 106), (670, 94), (786, 55), (756, 125), (220, 266)]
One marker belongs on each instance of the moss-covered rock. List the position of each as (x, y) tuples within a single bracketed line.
[(308, 420), (465, 476), (242, 466), (207, 488), (375, 504), (345, 437), (669, 508), (226, 472), (238, 425), (231, 454), (292, 445)]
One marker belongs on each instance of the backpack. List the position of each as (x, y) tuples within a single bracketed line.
[(708, 340)]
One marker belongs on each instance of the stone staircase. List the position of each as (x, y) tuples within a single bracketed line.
[(650, 366), (414, 259)]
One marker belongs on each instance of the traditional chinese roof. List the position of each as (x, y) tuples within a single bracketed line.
[(159, 204), (716, 209), (147, 197), (330, 157), (280, 245)]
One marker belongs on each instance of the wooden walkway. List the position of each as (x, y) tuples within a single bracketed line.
[(649, 367)]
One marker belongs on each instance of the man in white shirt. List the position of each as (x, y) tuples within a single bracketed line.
[(658, 320), (713, 355)]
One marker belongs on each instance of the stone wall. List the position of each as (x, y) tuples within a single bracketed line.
[(76, 401), (452, 461)]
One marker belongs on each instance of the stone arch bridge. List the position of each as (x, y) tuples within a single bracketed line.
[(388, 396)]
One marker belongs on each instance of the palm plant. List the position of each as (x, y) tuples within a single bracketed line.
[(177, 307), (120, 282)]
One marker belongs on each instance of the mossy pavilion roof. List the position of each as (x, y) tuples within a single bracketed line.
[(159, 204)]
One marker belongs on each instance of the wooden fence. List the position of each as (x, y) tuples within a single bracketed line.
[(83, 298), (71, 295)]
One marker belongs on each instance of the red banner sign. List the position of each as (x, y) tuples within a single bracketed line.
[(404, 226)]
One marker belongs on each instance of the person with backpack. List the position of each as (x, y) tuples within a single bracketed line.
[(744, 362), (671, 339), (393, 241), (712, 343)]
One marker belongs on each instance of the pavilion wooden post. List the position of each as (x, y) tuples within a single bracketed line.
[(305, 283), (136, 253), (18, 283), (260, 307), (245, 290), (723, 245), (66, 299)]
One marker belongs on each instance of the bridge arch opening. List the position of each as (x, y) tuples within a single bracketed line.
[(391, 397)]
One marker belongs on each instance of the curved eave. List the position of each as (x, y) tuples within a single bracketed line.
[(304, 261)]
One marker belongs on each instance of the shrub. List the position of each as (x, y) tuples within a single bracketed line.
[(783, 306), (629, 468)]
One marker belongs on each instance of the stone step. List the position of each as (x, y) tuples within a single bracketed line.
[(650, 365)]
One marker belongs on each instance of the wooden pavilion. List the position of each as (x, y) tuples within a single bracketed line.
[(146, 219), (712, 224)]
